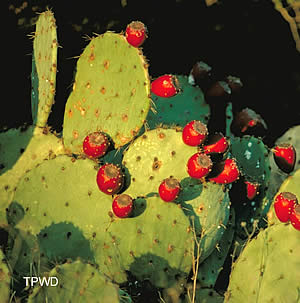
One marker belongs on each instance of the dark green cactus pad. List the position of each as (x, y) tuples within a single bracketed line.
[(77, 283), (5, 278), (20, 151), (252, 158), (67, 223), (291, 184), (253, 161), (267, 269), (155, 244), (44, 66), (211, 267), (189, 104), (207, 206), (110, 93), (154, 156)]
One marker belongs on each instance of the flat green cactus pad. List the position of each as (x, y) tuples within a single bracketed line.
[(268, 268), (77, 283), (207, 206), (205, 295), (67, 223), (155, 244), (20, 151), (4, 279), (154, 156), (110, 93), (211, 267), (44, 66), (189, 104)]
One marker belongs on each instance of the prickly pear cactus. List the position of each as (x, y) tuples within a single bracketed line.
[(207, 206), (209, 269), (110, 93), (265, 271), (205, 295), (44, 66), (291, 184), (155, 244), (78, 283), (4, 279), (252, 158), (154, 156), (184, 107), (22, 149)]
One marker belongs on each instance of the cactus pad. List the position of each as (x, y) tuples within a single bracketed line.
[(155, 244), (189, 104), (44, 66), (110, 93), (21, 150), (78, 283), (154, 156), (266, 269)]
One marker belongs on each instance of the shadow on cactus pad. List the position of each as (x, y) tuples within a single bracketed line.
[(163, 274), (14, 213), (63, 241)]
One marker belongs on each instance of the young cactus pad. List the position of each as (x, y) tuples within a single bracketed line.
[(110, 93), (189, 104), (4, 279), (44, 66), (77, 282), (268, 268), (20, 151), (154, 156)]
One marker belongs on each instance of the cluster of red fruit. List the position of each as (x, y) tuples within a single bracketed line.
[(287, 208)]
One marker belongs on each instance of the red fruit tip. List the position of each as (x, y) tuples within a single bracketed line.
[(283, 204), (136, 33), (122, 205), (169, 189)]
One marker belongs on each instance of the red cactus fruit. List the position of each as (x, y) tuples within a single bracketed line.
[(194, 133), (252, 189), (110, 179), (95, 145), (122, 206), (165, 86), (295, 216), (285, 157), (283, 205), (136, 33), (199, 165), (200, 74), (169, 189), (230, 172), (216, 143)]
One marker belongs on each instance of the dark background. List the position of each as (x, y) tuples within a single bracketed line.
[(248, 39)]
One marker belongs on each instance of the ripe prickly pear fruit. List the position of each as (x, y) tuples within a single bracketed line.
[(229, 173), (283, 205), (95, 145), (199, 165), (169, 189), (295, 216), (252, 189), (165, 86), (285, 157), (136, 33), (122, 205), (110, 179), (216, 143), (194, 133)]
